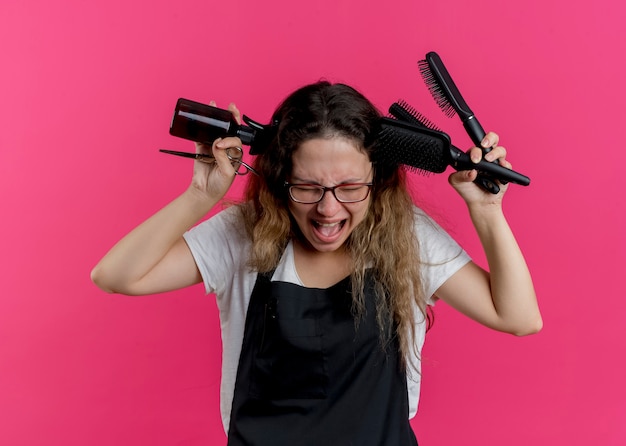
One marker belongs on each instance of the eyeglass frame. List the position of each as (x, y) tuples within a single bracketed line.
[(325, 189)]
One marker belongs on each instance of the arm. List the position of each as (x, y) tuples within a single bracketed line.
[(154, 257), (503, 299)]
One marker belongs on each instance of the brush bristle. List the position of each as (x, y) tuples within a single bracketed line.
[(419, 149), (435, 89), (403, 111)]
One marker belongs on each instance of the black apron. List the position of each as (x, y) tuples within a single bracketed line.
[(309, 376)]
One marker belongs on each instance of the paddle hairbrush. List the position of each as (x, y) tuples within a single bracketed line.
[(449, 98), (415, 145)]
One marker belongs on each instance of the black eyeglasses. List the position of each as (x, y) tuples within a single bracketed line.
[(313, 193)]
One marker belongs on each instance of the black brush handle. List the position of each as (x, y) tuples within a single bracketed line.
[(462, 161), (476, 133)]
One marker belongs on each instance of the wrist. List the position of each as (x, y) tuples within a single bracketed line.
[(200, 199), (486, 213)]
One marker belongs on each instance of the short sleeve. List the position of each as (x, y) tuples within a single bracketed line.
[(219, 246), (440, 255)]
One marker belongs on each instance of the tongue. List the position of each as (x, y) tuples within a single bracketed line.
[(329, 231)]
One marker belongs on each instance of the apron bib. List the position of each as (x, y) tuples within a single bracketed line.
[(309, 376)]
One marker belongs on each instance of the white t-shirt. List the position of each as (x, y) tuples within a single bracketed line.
[(220, 247)]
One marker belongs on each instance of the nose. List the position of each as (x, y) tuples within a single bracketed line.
[(328, 205)]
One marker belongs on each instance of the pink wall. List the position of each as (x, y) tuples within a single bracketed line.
[(87, 89)]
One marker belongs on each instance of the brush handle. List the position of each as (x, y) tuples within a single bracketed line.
[(476, 133), (462, 161)]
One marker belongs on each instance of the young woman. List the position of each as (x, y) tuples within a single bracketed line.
[(323, 275)]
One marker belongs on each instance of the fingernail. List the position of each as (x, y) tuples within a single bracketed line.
[(219, 143), (485, 142), (489, 157)]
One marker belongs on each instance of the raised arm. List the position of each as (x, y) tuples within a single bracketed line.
[(503, 298), (154, 257)]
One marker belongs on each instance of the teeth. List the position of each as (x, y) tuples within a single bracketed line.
[(327, 225)]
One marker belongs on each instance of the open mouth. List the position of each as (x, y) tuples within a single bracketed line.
[(329, 230)]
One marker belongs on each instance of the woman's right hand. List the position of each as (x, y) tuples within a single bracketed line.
[(154, 257), (214, 176)]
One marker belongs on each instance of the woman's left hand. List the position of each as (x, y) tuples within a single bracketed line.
[(503, 298), (463, 181)]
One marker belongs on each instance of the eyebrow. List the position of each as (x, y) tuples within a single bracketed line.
[(348, 181), (305, 181)]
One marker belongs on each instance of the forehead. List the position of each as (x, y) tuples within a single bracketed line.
[(330, 160)]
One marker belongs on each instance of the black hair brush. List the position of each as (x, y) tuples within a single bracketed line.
[(408, 140), (449, 98)]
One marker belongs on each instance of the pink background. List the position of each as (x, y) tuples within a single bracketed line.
[(87, 89)]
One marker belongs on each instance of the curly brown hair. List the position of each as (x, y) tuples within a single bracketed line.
[(385, 241)]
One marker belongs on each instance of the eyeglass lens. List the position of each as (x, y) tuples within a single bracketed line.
[(345, 193)]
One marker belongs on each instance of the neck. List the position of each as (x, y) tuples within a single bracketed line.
[(321, 269)]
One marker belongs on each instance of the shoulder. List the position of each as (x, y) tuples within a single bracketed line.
[(426, 227), (220, 247), (440, 255), (222, 234)]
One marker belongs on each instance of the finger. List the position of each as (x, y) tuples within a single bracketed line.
[(490, 140), (463, 176), (231, 147), (231, 108), (235, 111), (228, 150), (220, 148), (228, 143), (234, 153), (476, 154), (497, 153), (203, 149)]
